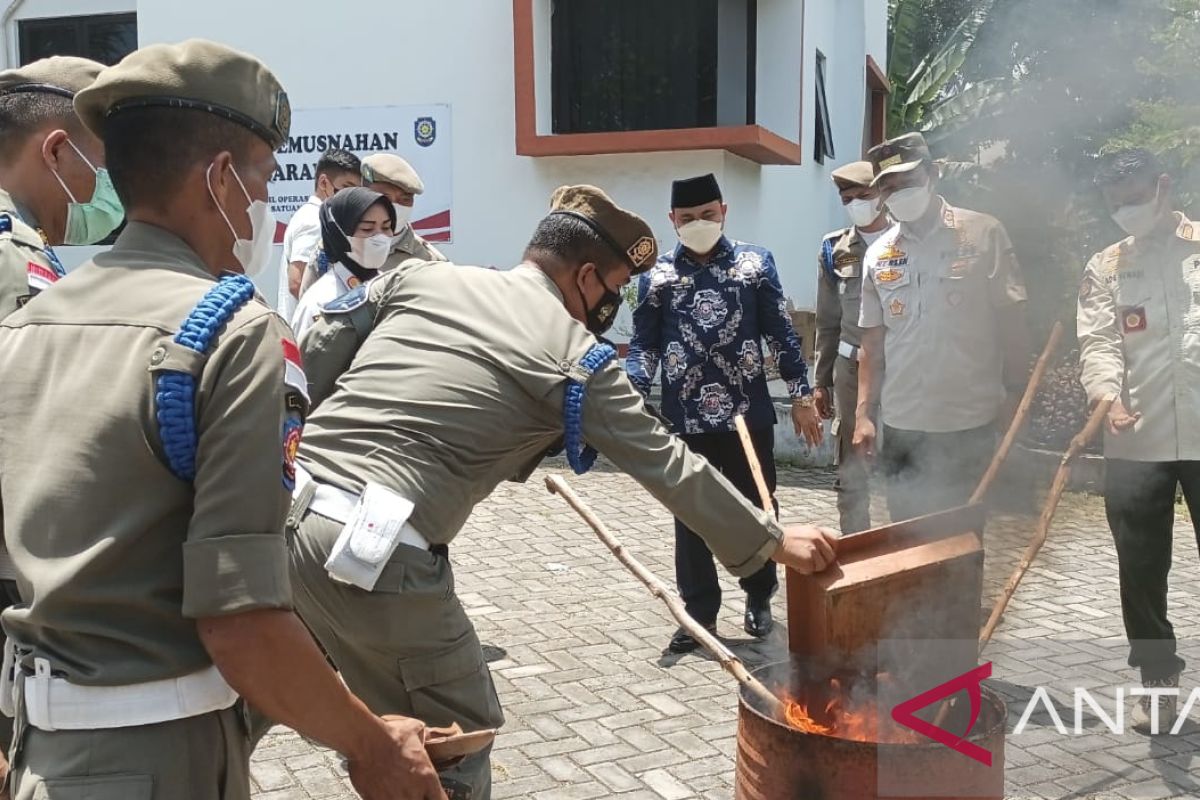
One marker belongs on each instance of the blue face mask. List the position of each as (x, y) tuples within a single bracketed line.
[(93, 221)]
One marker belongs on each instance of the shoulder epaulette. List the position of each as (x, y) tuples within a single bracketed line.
[(175, 389)]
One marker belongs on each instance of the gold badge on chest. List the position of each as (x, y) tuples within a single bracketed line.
[(897, 307)]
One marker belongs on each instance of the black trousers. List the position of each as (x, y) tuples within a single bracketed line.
[(1139, 498), (695, 572), (928, 472)]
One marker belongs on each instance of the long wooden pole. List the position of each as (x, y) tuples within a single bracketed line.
[(1018, 420), (1061, 476), (764, 494), (1057, 487), (731, 663)]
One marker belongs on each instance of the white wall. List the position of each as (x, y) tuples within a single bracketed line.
[(460, 52)]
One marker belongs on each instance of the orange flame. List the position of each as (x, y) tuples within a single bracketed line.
[(845, 716)]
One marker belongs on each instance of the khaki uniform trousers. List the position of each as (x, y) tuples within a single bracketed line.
[(853, 487), (206, 757), (405, 648)]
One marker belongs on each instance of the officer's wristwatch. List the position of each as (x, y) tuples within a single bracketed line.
[(803, 402)]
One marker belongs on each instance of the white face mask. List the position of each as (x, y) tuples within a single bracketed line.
[(371, 251), (863, 212), (254, 253), (909, 205), (701, 235), (1139, 220), (403, 215)]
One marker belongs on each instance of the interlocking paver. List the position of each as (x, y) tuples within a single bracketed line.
[(596, 709)]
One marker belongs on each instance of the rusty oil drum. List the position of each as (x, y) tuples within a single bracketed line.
[(778, 762)]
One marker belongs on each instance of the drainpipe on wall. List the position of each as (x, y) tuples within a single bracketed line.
[(10, 9)]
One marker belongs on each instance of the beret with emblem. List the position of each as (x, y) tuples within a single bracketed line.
[(196, 74), (902, 154), (61, 75), (627, 233), (390, 168), (857, 174)]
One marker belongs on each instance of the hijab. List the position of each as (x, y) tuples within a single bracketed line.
[(340, 216)]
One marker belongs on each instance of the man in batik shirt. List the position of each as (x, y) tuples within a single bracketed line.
[(702, 314)]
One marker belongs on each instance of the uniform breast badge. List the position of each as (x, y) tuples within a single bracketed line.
[(1133, 318), (889, 275), (897, 307)]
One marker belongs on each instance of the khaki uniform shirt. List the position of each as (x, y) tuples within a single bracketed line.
[(408, 245), (937, 298), (459, 385), (1139, 338), (330, 286), (117, 556), (839, 299), (25, 267)]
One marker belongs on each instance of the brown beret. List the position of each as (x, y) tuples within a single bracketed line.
[(902, 154), (854, 175), (61, 75), (389, 168), (627, 233), (195, 74)]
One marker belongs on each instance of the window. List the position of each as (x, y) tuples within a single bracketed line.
[(106, 38), (823, 140), (633, 65), (878, 92)]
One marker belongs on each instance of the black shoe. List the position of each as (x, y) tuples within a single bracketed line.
[(758, 617), (684, 642)]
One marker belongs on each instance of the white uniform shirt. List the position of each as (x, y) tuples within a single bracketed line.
[(300, 242), (937, 297), (1139, 338), (327, 288)]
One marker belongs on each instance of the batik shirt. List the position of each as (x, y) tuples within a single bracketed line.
[(704, 324)]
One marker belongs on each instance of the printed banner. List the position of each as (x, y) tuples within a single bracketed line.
[(420, 134)]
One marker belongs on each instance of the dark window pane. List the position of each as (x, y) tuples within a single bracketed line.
[(622, 65), (111, 38), (106, 38), (823, 138)]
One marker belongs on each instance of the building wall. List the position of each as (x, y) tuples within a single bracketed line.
[(460, 52)]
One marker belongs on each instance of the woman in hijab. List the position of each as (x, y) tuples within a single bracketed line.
[(356, 237)]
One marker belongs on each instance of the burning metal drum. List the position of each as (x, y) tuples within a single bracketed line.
[(841, 749)]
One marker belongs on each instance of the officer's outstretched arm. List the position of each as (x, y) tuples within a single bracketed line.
[(328, 347), (741, 536)]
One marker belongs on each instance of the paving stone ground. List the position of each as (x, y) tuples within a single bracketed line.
[(595, 708)]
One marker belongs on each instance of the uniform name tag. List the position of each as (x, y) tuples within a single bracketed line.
[(369, 537)]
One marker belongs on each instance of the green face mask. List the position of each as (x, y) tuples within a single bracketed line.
[(93, 221)]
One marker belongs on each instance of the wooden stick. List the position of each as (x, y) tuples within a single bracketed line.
[(1057, 487), (1018, 420), (764, 494), (731, 663), (1081, 440)]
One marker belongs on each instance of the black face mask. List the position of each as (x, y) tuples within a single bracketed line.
[(601, 316)]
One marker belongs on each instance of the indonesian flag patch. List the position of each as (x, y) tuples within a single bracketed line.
[(40, 278), (293, 369)]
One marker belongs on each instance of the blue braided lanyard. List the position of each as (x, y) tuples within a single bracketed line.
[(52, 257), (827, 259), (322, 263), (175, 392), (580, 456)]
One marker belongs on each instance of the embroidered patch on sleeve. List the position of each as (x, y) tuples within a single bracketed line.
[(292, 428), (40, 277), (293, 369)]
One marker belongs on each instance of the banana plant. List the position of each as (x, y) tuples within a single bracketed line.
[(928, 94)]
